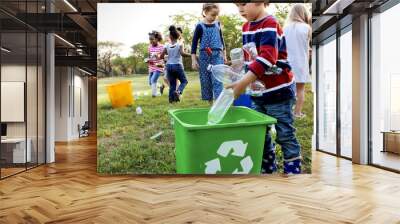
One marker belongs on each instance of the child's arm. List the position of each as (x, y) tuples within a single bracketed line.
[(183, 53), (163, 53), (240, 86), (223, 44), (198, 32)]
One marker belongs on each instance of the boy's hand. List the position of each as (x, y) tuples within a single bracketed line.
[(240, 86)]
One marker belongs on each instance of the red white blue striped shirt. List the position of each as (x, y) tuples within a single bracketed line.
[(268, 36)]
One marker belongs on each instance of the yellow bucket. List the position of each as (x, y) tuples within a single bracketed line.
[(120, 94)]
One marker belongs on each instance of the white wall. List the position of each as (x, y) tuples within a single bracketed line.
[(70, 83)]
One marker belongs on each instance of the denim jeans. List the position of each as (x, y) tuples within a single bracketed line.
[(153, 77), (285, 131), (175, 72)]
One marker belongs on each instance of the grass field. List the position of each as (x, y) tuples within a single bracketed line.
[(124, 144)]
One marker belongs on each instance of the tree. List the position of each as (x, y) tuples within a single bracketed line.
[(232, 31), (120, 66), (282, 11), (187, 22), (139, 53), (106, 51)]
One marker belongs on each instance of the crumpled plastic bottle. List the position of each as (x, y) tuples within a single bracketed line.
[(220, 107)]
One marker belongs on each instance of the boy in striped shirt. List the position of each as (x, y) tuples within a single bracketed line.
[(271, 68)]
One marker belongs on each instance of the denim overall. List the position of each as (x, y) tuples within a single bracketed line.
[(210, 87)]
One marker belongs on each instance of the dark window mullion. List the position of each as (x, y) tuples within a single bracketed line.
[(26, 87), (0, 95), (338, 93), (317, 95)]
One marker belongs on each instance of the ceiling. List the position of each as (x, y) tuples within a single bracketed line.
[(75, 21), (329, 14)]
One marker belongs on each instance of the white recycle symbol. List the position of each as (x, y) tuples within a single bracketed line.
[(239, 150)]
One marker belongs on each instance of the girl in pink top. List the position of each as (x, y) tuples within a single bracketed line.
[(156, 65)]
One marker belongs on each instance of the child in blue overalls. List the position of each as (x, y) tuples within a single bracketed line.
[(212, 51)]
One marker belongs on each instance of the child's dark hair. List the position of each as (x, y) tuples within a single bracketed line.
[(207, 7), (179, 29), (156, 35), (174, 33)]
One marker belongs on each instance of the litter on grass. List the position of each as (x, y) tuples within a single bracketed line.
[(156, 135)]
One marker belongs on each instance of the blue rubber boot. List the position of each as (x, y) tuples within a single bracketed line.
[(269, 163), (292, 166)]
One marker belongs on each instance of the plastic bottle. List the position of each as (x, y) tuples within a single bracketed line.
[(224, 73), (237, 59), (251, 49), (139, 110), (220, 106)]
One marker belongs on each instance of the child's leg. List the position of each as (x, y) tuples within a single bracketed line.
[(217, 86), (205, 77), (153, 82), (269, 161), (182, 79), (172, 83), (150, 75), (286, 135), (300, 88)]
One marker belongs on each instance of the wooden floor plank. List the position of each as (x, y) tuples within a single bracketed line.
[(70, 191)]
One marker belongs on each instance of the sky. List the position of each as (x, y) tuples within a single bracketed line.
[(130, 23)]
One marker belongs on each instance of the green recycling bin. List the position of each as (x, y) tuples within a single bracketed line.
[(234, 146)]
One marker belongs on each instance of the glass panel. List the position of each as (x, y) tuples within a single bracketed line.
[(13, 87), (386, 89), (327, 96), (346, 94)]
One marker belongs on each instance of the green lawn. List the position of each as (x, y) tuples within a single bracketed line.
[(124, 144)]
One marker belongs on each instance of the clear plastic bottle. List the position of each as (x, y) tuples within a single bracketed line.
[(251, 50), (237, 59), (220, 106), (224, 73)]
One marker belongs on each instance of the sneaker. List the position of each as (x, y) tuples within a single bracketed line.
[(177, 96), (162, 89), (292, 166), (269, 163)]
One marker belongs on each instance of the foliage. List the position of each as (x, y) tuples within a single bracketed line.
[(139, 53), (110, 63), (232, 31), (282, 11), (106, 51)]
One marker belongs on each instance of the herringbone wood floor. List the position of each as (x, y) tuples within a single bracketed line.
[(70, 191)]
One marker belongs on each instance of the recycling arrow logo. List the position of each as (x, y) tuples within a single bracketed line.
[(239, 150)]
